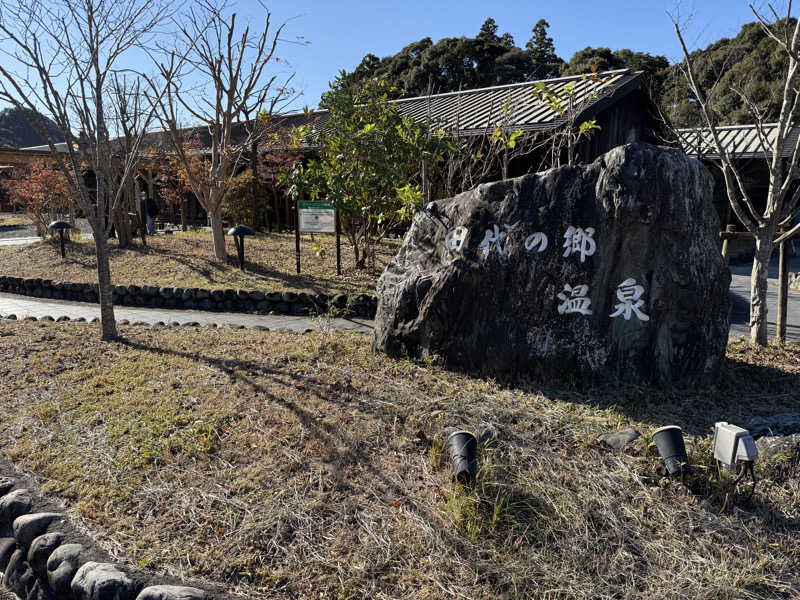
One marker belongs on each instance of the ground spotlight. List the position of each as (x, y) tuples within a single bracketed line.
[(669, 441)]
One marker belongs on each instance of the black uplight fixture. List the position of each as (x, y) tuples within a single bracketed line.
[(463, 447), (669, 441), (61, 227), (238, 234)]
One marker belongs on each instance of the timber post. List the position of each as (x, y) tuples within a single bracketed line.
[(297, 231), (338, 245), (783, 292), (725, 244)]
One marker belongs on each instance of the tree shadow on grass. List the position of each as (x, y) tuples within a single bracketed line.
[(208, 268), (521, 510), (744, 390), (473, 511)]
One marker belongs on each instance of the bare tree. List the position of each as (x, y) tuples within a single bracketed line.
[(780, 206), (62, 60), (130, 113), (232, 67)]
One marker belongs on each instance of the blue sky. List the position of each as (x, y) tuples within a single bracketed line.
[(341, 32)]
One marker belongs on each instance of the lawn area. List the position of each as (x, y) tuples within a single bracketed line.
[(14, 220), (186, 260), (305, 466)]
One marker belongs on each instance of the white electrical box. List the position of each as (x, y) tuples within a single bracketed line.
[(747, 448), (732, 443)]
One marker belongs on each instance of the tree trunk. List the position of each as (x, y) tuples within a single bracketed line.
[(218, 233), (277, 214), (184, 209), (121, 225), (758, 290), (254, 189), (354, 241), (107, 322), (270, 209)]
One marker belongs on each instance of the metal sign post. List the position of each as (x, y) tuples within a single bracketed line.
[(338, 245), (317, 217)]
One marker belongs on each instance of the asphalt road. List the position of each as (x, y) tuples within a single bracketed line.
[(740, 301)]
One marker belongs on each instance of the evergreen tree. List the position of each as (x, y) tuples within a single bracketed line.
[(542, 52), (463, 63), (750, 62)]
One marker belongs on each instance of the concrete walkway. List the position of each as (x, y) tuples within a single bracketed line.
[(19, 241), (740, 301), (24, 306)]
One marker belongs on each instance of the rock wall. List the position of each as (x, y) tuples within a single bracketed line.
[(281, 303), (607, 271), (41, 559)]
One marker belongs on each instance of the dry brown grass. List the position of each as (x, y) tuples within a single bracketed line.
[(305, 466), (12, 220), (186, 260)]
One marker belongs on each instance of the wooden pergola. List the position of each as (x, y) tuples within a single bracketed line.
[(743, 142)]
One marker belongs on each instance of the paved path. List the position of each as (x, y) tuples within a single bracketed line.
[(17, 235), (19, 241), (23, 306), (740, 301)]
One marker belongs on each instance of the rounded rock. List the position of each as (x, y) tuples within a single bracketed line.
[(102, 581), (18, 575), (28, 527), (14, 504), (617, 440), (62, 566), (41, 549), (171, 592), (7, 548), (6, 483)]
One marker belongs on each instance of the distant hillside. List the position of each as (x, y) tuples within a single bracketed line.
[(751, 62), (16, 132)]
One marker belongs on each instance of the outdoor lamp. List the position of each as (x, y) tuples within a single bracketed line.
[(238, 234), (735, 449), (463, 446), (669, 441), (60, 226)]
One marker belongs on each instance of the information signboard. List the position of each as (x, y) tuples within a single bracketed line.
[(317, 217)]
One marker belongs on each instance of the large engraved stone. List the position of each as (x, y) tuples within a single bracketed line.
[(607, 271)]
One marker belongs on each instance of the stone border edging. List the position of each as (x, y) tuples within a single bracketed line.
[(41, 559), (156, 325), (229, 300)]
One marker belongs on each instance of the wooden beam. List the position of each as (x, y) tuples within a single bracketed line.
[(725, 244), (736, 235), (743, 235)]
